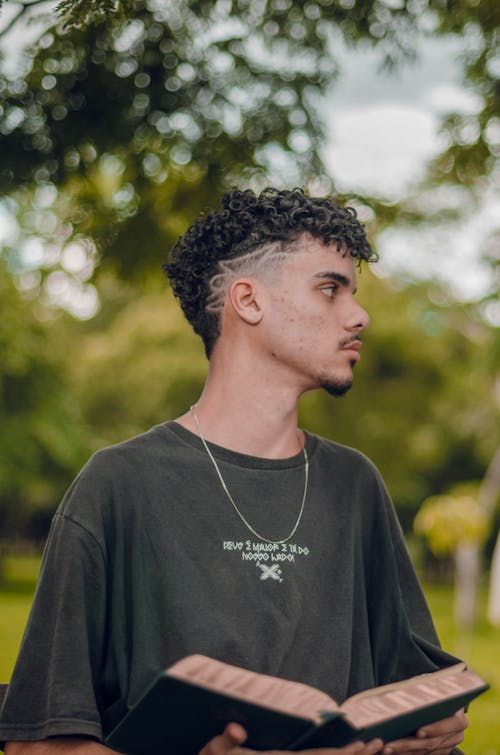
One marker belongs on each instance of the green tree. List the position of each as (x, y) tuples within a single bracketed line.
[(474, 138), (39, 447), (142, 367), (138, 122)]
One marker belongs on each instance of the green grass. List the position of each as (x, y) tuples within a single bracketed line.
[(16, 594), (481, 651)]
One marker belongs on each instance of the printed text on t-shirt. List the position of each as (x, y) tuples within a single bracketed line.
[(267, 556)]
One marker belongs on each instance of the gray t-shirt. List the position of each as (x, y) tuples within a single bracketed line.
[(147, 562)]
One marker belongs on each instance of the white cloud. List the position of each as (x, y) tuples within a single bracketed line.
[(451, 254), (448, 98), (381, 148)]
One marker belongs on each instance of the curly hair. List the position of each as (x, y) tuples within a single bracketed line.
[(216, 246)]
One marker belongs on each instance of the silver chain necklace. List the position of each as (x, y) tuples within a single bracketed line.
[(226, 491)]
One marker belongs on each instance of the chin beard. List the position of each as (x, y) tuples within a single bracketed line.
[(337, 387)]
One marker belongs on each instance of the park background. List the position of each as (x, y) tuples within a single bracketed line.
[(119, 123)]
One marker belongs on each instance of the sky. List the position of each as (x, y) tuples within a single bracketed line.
[(381, 130), (383, 126)]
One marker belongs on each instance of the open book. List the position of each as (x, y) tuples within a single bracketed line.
[(194, 699)]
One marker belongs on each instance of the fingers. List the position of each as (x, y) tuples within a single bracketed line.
[(372, 748), (424, 746), (457, 722), (438, 738), (232, 736), (363, 748)]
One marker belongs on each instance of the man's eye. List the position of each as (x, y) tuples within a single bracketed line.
[(330, 291)]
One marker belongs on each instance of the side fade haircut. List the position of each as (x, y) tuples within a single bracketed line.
[(252, 235)]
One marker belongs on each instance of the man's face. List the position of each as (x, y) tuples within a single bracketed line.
[(314, 324)]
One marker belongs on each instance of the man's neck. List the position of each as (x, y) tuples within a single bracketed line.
[(247, 414)]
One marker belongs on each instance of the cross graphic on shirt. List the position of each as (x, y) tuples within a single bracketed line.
[(273, 572)]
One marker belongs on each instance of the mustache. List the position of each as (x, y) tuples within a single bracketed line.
[(347, 341)]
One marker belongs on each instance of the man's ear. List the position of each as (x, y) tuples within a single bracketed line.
[(245, 300)]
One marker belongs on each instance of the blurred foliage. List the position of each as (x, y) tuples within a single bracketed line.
[(136, 121), (448, 520), (39, 449), (144, 366), (420, 407), (131, 116), (474, 136)]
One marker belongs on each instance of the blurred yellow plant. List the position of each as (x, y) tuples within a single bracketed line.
[(456, 517)]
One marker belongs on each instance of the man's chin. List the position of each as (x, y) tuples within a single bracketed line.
[(337, 387)]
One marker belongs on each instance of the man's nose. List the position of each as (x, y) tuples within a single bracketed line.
[(359, 319)]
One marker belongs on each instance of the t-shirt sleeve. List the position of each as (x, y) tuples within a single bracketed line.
[(53, 689)]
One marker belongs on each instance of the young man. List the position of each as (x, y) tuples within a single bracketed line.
[(231, 532)]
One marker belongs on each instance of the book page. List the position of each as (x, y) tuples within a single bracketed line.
[(392, 700), (267, 691)]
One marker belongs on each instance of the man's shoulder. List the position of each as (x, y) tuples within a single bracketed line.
[(155, 441), (349, 467), (116, 474), (120, 463), (330, 449)]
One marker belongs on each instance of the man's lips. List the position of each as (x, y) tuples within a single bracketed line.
[(354, 346)]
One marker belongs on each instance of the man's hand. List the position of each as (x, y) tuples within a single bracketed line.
[(438, 738), (234, 735)]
